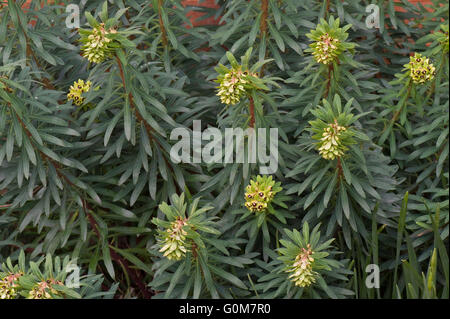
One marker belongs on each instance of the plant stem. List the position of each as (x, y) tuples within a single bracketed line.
[(252, 112), (161, 24), (265, 13), (339, 167), (139, 117), (263, 28), (397, 114), (327, 89), (327, 10)]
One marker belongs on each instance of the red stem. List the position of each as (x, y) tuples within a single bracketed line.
[(327, 90), (252, 112), (339, 167), (161, 24), (265, 13)]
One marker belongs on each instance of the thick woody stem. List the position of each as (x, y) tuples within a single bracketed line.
[(265, 13)]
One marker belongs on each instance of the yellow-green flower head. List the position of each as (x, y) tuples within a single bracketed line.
[(302, 268), (38, 293), (330, 145), (260, 193), (77, 89), (173, 245), (9, 286), (231, 86), (329, 41), (41, 290), (326, 49), (420, 69), (97, 45)]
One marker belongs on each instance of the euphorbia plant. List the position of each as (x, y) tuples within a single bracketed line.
[(333, 54), (303, 262), (86, 121), (48, 278), (345, 166), (243, 82), (192, 252)]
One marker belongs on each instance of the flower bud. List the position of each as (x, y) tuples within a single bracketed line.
[(9, 286), (42, 290), (302, 268), (330, 145), (326, 49), (231, 87), (97, 46), (173, 245)]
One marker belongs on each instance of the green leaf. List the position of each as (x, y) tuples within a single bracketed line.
[(107, 260), (229, 277)]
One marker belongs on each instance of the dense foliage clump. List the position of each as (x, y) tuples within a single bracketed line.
[(89, 118)]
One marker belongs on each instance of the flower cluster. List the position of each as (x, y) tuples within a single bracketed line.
[(9, 286), (240, 80), (98, 45), (173, 245), (231, 86), (41, 290), (260, 193), (43, 279), (333, 130), (326, 49), (305, 256), (420, 69), (302, 268), (180, 235), (328, 41), (77, 89), (330, 145)]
